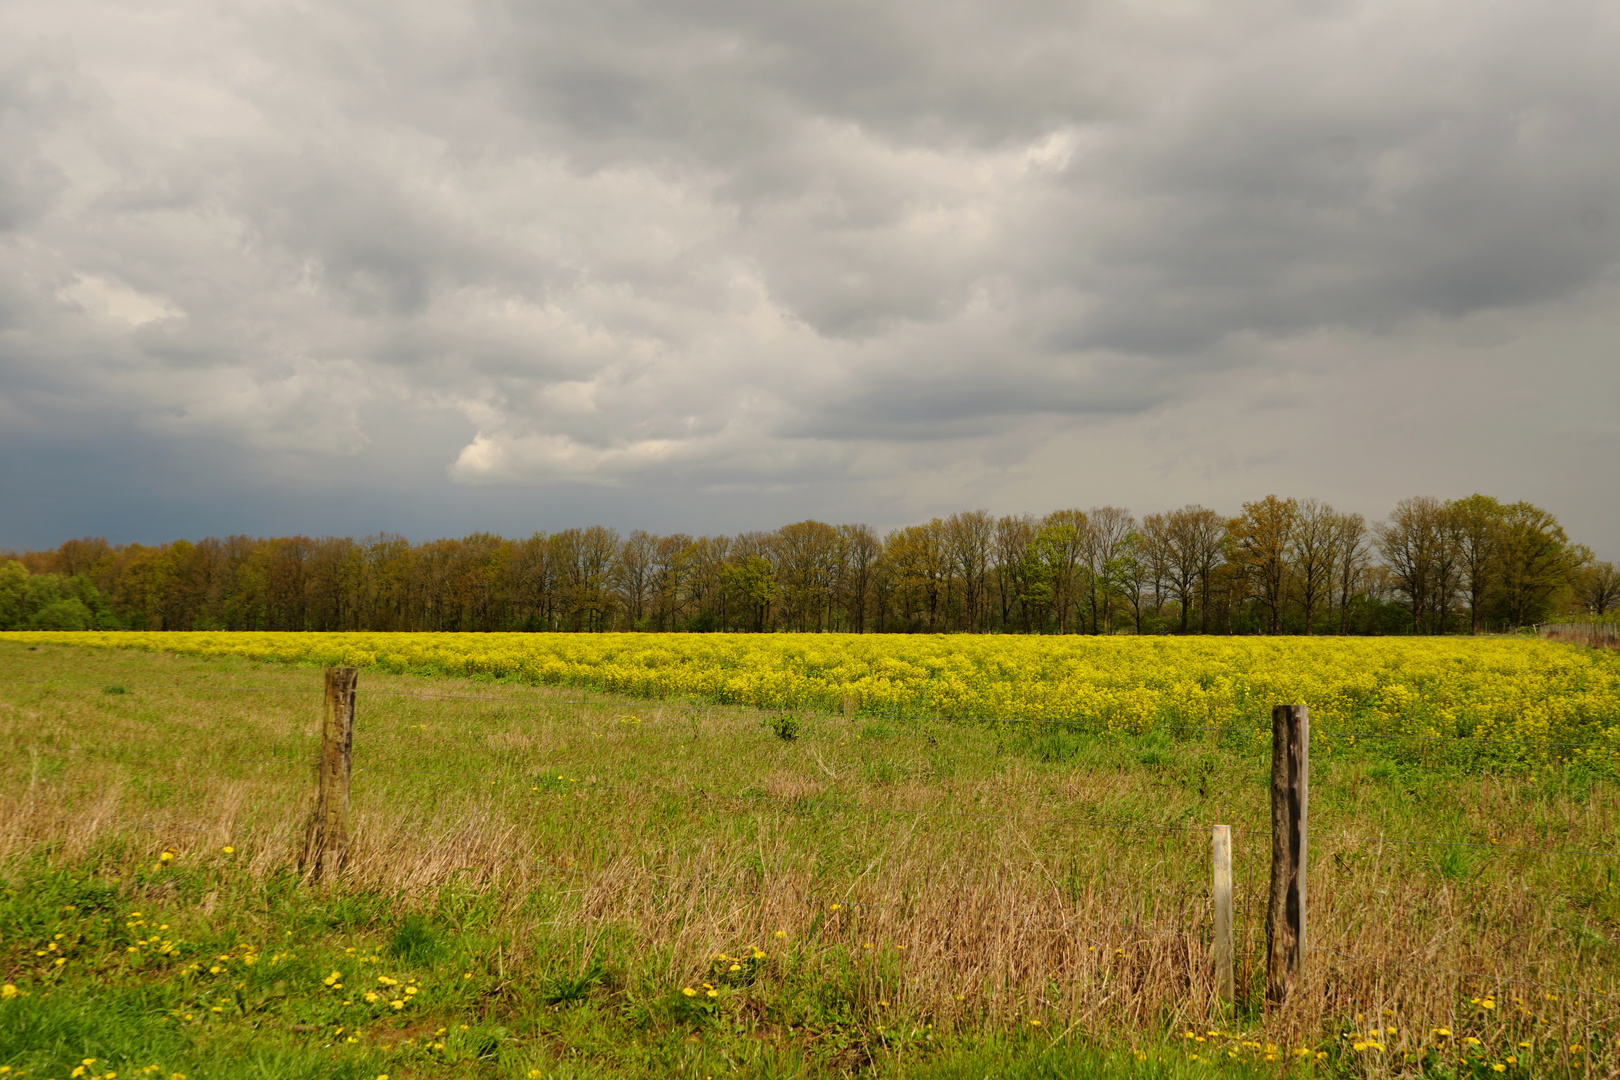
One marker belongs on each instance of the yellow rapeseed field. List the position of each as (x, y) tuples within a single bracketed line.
[(1515, 693)]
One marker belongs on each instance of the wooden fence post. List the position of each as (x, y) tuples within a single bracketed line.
[(326, 840), (1290, 790), (1222, 851)]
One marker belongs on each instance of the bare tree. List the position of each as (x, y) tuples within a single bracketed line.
[(1410, 544), (1598, 588), (1313, 552), (1014, 535), (1106, 529), (1190, 542), (635, 574), (1351, 552), (1064, 535), (1477, 527), (968, 539), (862, 548)]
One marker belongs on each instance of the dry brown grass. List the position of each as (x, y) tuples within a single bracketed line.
[(947, 871)]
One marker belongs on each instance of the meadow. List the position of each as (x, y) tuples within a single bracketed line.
[(799, 856)]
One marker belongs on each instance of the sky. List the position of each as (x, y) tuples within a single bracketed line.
[(716, 265)]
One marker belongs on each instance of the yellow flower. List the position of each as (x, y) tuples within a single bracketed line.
[(228, 850), (534, 1074), (688, 991), (167, 856), (781, 934), (714, 993), (397, 1004), (8, 991), (1499, 1067)]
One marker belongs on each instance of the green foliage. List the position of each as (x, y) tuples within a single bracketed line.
[(415, 940), (51, 602), (786, 727)]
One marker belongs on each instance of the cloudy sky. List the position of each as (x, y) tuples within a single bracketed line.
[(711, 265)]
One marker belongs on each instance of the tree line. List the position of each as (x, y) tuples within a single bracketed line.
[(1291, 566)]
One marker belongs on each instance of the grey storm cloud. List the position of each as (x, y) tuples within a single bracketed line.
[(755, 246)]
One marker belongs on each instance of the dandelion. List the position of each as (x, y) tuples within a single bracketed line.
[(227, 849), (714, 993), (780, 934), (534, 1074), (688, 991)]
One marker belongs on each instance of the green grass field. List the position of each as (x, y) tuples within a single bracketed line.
[(625, 888)]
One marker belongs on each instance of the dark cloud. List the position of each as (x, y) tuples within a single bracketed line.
[(843, 250)]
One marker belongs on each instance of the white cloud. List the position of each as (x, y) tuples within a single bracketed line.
[(112, 300)]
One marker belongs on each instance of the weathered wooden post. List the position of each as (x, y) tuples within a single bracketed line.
[(1290, 790), (1222, 851), (326, 840)]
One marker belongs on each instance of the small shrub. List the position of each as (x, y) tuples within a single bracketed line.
[(786, 727), (415, 941)]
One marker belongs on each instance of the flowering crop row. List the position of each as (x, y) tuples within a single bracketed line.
[(1518, 693)]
